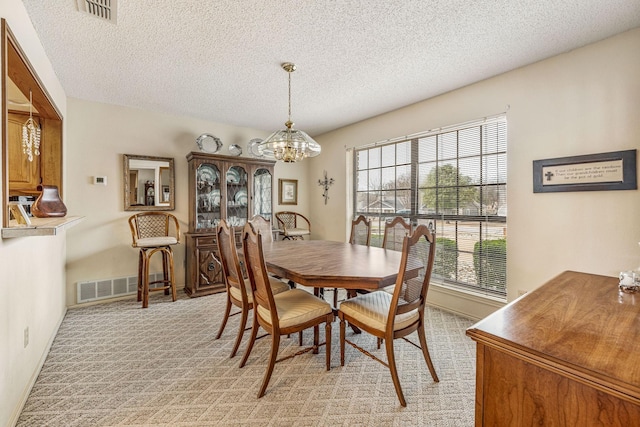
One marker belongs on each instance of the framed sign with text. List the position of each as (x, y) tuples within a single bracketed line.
[(592, 172)]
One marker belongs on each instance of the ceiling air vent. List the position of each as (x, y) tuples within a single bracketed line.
[(103, 9)]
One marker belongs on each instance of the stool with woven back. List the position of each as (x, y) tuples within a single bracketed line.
[(155, 232)]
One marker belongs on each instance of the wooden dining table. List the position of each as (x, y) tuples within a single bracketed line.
[(328, 264)]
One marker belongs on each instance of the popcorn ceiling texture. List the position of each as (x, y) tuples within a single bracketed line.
[(220, 60)]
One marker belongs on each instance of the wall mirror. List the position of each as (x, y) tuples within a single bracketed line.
[(149, 183)]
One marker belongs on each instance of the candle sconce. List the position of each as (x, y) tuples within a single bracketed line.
[(325, 183)]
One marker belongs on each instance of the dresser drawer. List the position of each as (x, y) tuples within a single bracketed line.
[(206, 241)]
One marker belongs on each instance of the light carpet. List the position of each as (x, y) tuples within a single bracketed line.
[(117, 364)]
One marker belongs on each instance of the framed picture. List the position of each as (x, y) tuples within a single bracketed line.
[(19, 214), (288, 191), (593, 172)]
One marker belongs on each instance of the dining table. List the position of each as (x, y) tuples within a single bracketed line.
[(330, 264)]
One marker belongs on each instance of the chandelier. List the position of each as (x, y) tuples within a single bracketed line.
[(289, 145)]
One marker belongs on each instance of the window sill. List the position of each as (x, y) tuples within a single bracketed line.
[(40, 227)]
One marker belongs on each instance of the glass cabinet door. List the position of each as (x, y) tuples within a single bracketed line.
[(207, 196), (237, 196), (262, 193)]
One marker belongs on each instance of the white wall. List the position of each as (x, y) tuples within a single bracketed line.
[(32, 275), (98, 136), (582, 102)]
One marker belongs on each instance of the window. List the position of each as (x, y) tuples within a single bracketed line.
[(453, 180)]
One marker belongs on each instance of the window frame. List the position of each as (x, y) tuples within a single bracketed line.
[(488, 220)]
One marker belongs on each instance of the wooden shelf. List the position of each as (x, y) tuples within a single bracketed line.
[(40, 227)]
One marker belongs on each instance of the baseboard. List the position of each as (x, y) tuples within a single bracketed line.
[(32, 381), (462, 303)]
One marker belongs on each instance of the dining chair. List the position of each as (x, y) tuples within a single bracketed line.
[(360, 235), (155, 232), (360, 231), (293, 225), (281, 314), (388, 316), (394, 233), (263, 226), (238, 288)]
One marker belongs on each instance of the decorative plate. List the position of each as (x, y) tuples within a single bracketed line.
[(206, 177), (235, 150), (209, 143), (241, 197), (254, 148), (233, 176)]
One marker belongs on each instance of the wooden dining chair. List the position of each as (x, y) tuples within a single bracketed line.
[(263, 227), (238, 288), (293, 225), (281, 314), (394, 233), (360, 235), (155, 232), (391, 316), (360, 231)]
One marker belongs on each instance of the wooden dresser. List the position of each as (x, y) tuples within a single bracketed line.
[(566, 354)]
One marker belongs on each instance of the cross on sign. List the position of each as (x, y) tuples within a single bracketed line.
[(548, 175)]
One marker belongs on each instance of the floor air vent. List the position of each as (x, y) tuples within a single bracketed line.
[(103, 9), (111, 288)]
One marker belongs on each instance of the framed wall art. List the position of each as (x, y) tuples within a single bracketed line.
[(592, 172), (288, 191)]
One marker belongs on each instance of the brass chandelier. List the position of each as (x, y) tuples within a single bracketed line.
[(289, 145)]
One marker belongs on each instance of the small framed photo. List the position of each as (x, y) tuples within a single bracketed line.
[(19, 214), (288, 191)]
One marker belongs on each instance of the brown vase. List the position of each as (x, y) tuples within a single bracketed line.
[(48, 203)]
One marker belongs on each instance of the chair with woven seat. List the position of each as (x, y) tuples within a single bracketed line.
[(360, 235), (394, 233), (155, 232), (238, 288), (391, 316), (263, 226), (360, 231), (281, 314), (293, 226)]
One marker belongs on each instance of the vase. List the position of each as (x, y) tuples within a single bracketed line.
[(48, 203)]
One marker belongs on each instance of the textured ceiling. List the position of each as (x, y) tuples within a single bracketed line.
[(220, 60)]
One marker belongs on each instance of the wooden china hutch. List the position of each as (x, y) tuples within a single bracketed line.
[(221, 187)]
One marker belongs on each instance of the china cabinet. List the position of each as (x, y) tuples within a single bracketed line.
[(221, 187)]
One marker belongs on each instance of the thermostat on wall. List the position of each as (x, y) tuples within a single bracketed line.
[(100, 180)]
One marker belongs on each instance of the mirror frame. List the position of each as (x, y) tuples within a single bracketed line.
[(127, 185)]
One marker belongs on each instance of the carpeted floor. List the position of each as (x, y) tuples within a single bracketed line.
[(116, 364)]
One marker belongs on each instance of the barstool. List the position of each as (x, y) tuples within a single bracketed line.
[(151, 233)]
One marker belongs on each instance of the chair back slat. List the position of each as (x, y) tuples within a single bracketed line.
[(229, 257), (412, 284), (360, 231), (394, 233), (257, 271)]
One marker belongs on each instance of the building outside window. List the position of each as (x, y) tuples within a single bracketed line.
[(455, 181)]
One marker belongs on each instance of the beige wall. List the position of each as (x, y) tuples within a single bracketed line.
[(32, 271), (582, 102), (585, 101), (98, 136)]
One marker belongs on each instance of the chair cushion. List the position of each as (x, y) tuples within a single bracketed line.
[(151, 242), (276, 287), (296, 306), (297, 232), (373, 309)]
